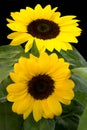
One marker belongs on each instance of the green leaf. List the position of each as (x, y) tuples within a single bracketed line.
[(43, 124), (80, 89), (83, 121), (3, 92), (69, 119), (9, 55), (30, 124), (82, 71), (34, 50), (8, 119), (4, 72), (47, 124), (80, 79), (74, 58)]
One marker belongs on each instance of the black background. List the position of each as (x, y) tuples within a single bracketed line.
[(66, 7)]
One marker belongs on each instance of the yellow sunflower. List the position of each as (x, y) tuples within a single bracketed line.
[(45, 26), (40, 85)]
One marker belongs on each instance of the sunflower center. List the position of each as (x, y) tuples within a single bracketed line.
[(41, 86), (43, 29)]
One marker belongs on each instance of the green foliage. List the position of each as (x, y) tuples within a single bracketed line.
[(69, 119), (80, 89), (74, 58), (81, 71), (8, 119), (43, 124), (9, 55), (83, 121), (3, 91)]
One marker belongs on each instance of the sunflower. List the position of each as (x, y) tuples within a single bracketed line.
[(40, 85), (45, 26)]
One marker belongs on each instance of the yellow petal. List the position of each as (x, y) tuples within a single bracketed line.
[(17, 26), (21, 71), (69, 22), (22, 16), (54, 105), (66, 18), (13, 97), (67, 37), (38, 7), (47, 112), (18, 38), (69, 94), (32, 68), (13, 35), (43, 63), (16, 87), (62, 100), (66, 84), (29, 109), (22, 105), (71, 29), (55, 17), (44, 13), (49, 45), (29, 44), (40, 45), (20, 76), (9, 20), (34, 58), (37, 110), (68, 46), (58, 45)]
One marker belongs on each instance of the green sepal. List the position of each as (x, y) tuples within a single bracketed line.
[(34, 50)]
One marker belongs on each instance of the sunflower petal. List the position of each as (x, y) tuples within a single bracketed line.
[(54, 105), (37, 110), (29, 109)]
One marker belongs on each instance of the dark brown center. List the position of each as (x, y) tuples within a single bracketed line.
[(41, 86), (43, 29)]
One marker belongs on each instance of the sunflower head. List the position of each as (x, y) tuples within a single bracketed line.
[(46, 26), (40, 85)]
